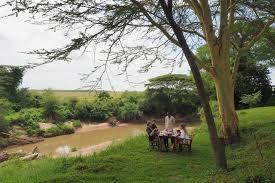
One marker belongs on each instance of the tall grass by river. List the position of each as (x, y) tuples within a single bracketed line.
[(252, 160)]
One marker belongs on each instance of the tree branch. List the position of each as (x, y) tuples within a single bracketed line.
[(247, 46), (154, 23)]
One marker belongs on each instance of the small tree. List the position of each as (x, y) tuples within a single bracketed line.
[(50, 105), (252, 99)]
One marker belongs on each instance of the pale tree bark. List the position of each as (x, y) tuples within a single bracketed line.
[(219, 48), (217, 143)]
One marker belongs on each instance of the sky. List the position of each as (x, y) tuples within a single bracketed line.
[(17, 36)]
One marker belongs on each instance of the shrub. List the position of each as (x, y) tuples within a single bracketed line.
[(76, 123), (58, 130), (26, 115), (92, 110), (70, 105), (64, 113), (29, 119), (6, 106), (66, 129), (129, 111), (53, 131), (3, 142), (50, 105), (251, 100), (4, 128), (26, 99)]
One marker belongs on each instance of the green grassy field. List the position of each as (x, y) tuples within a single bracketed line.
[(251, 161)]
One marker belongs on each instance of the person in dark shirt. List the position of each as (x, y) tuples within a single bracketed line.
[(152, 130)]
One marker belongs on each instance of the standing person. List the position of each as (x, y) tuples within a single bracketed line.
[(169, 122), (169, 125)]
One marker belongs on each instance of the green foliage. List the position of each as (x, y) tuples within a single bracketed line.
[(76, 123), (253, 72), (251, 79), (209, 85), (29, 118), (70, 105), (132, 161), (6, 106), (10, 79), (92, 110), (173, 92), (215, 111), (103, 95), (26, 99), (251, 100), (4, 128), (129, 111), (3, 142), (25, 115), (50, 105), (64, 113), (59, 129)]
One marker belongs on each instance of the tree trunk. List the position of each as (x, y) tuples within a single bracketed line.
[(225, 96), (217, 143)]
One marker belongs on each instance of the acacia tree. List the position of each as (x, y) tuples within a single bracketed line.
[(171, 92), (177, 26)]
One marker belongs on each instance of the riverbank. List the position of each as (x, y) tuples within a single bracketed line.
[(131, 161), (91, 137)]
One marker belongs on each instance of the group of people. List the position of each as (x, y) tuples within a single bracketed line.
[(179, 133)]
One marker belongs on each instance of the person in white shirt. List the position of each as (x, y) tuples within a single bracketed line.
[(183, 132), (169, 122)]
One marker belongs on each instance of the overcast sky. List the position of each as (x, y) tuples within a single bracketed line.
[(17, 35)]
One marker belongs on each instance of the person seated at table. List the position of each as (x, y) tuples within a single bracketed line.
[(183, 132), (152, 130), (177, 138)]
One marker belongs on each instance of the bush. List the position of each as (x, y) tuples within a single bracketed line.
[(92, 110), (26, 99), (58, 130), (26, 115), (64, 113), (76, 123), (6, 106), (4, 128), (252, 100), (29, 119), (129, 111), (50, 105), (3, 142), (70, 105), (66, 129)]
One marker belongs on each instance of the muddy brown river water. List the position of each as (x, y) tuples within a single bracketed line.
[(83, 138)]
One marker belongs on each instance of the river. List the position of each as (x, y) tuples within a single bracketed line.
[(87, 138)]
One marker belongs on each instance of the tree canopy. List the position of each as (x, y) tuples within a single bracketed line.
[(10, 79), (174, 93)]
